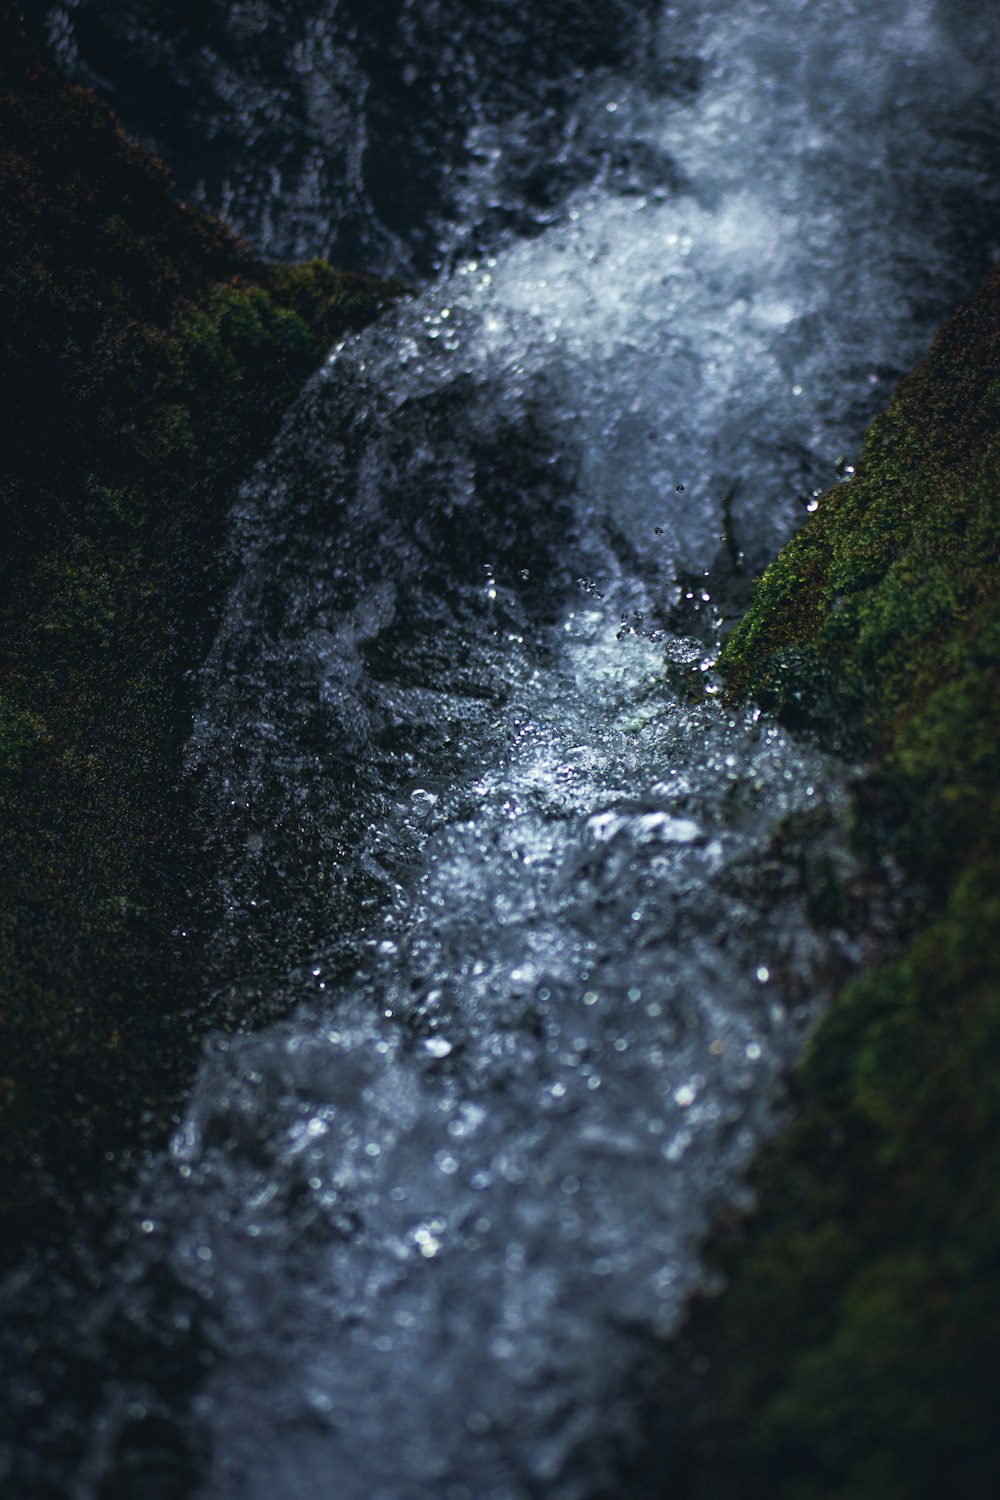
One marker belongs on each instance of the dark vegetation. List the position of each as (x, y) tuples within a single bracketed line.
[(854, 1353), (146, 357)]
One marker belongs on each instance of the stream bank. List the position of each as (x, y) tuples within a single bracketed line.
[(147, 357), (854, 1350)]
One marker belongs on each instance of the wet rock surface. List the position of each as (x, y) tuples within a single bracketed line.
[(146, 356)]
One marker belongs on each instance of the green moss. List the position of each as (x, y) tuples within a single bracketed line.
[(146, 356), (882, 615), (864, 1313), (20, 732), (330, 302), (856, 1345)]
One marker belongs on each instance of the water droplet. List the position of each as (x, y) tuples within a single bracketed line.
[(427, 1243)]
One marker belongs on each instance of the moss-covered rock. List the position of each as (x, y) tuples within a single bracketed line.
[(854, 1352), (880, 622), (145, 358)]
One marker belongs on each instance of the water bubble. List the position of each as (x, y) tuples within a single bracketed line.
[(427, 1242)]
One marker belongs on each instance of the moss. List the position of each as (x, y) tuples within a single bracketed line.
[(881, 617), (145, 358), (20, 732), (863, 1315), (855, 1348), (329, 302)]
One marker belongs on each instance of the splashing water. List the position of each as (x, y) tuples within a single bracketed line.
[(547, 924)]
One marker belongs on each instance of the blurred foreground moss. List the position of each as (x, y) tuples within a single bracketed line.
[(854, 1352), (146, 356)]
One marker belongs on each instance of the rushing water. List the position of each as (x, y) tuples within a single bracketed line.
[(542, 911)]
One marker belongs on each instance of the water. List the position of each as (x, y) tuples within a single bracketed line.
[(541, 912)]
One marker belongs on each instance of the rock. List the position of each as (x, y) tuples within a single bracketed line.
[(146, 358)]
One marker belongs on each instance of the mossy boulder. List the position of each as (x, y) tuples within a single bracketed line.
[(146, 356), (853, 1354), (879, 625)]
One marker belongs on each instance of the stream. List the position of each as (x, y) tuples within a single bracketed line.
[(536, 922)]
